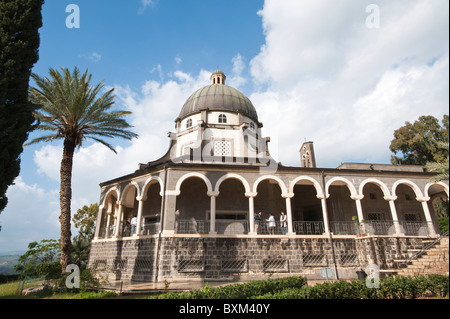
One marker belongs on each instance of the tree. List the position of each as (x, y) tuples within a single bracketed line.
[(71, 109), (43, 253), (84, 219), (441, 206), (441, 168), (418, 143), (20, 21)]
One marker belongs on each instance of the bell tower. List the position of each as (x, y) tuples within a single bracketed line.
[(307, 156)]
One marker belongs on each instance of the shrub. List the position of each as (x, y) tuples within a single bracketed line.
[(295, 288), (240, 291)]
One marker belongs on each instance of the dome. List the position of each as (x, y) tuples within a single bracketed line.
[(218, 97)]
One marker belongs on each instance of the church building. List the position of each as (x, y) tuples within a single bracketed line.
[(218, 206)]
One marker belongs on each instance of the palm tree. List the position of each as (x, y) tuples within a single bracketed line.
[(71, 109)]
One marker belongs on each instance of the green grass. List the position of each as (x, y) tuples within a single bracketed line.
[(10, 291)]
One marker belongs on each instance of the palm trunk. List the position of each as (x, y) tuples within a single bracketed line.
[(65, 197)]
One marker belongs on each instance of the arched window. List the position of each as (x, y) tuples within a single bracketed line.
[(222, 118), (189, 123), (252, 126)]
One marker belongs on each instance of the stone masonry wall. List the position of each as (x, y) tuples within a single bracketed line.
[(227, 259)]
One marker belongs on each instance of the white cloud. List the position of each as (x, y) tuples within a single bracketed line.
[(146, 4), (31, 215), (95, 57), (326, 77), (321, 75), (154, 109), (236, 79), (178, 59)]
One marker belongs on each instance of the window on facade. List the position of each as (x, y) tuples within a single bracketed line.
[(222, 148), (252, 126), (189, 123), (222, 118)]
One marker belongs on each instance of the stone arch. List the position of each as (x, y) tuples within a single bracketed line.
[(375, 207), (377, 182), (307, 178), (414, 187), (148, 182), (439, 184), (115, 190), (341, 205), (275, 178), (194, 174), (233, 176), (107, 213), (127, 189), (306, 208), (192, 204), (351, 187)]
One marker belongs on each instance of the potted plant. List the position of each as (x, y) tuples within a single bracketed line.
[(361, 230)]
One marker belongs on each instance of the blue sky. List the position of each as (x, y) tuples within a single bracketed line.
[(319, 70)]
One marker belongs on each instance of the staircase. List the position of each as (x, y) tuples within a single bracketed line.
[(433, 259)]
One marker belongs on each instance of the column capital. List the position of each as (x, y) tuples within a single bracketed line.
[(213, 194), (322, 196), (287, 195), (141, 198), (250, 194), (357, 197), (390, 198), (172, 192), (422, 198)]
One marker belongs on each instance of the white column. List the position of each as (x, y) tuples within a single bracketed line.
[(251, 212), (426, 211), (323, 201), (391, 200), (359, 210), (117, 224), (139, 215), (108, 223), (212, 227), (99, 222), (290, 230)]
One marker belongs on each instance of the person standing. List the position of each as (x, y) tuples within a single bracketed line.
[(133, 225), (272, 224), (257, 221), (283, 222)]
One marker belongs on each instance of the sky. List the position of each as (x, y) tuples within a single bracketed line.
[(344, 74)]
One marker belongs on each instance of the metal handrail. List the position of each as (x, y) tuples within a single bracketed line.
[(424, 249)]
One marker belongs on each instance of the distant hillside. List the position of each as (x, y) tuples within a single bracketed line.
[(7, 263)]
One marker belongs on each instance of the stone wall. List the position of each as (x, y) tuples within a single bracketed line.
[(224, 259)]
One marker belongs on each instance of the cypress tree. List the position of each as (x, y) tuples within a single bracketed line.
[(20, 21)]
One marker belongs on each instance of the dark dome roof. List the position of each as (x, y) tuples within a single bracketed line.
[(218, 97)]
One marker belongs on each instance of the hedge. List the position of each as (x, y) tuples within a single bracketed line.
[(398, 287), (240, 291)]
